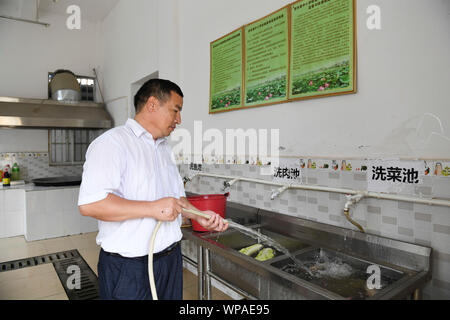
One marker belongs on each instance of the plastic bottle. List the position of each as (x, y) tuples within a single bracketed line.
[(6, 178), (15, 175)]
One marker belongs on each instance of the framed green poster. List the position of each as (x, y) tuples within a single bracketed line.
[(267, 59), (323, 48), (226, 72)]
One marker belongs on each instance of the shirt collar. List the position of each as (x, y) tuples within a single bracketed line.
[(139, 130)]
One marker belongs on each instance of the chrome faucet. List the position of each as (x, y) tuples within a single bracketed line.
[(187, 179), (276, 193), (227, 184)]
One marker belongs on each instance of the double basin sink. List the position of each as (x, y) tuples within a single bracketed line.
[(331, 262)]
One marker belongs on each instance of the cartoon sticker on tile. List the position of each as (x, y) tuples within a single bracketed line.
[(334, 165), (427, 168), (302, 164), (345, 166), (311, 164), (440, 171)]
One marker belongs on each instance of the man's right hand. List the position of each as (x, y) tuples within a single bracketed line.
[(166, 209)]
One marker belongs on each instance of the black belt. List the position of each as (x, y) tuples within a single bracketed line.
[(160, 254)]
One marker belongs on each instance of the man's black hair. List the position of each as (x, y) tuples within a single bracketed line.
[(158, 88)]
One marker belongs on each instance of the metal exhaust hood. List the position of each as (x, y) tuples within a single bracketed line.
[(40, 113)]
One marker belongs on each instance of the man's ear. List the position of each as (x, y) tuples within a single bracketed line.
[(151, 104)]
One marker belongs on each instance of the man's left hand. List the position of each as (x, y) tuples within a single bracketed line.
[(214, 223)]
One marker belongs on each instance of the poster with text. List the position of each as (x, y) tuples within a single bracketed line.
[(267, 59), (226, 73), (322, 48)]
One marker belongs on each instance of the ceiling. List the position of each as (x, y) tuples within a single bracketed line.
[(91, 10)]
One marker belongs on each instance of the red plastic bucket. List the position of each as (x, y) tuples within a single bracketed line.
[(213, 202)]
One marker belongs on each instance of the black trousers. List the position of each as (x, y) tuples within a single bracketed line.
[(123, 278)]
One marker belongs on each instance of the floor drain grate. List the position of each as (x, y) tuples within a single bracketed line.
[(88, 282), (62, 261), (35, 261)]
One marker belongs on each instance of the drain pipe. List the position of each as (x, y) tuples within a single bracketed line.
[(351, 200)]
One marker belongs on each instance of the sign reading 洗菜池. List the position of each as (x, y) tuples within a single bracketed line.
[(393, 175)]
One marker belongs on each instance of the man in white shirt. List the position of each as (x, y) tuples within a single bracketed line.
[(130, 182)]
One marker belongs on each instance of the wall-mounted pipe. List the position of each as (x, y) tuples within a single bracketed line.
[(227, 184), (276, 193), (431, 202), (351, 200), (187, 179), (353, 196)]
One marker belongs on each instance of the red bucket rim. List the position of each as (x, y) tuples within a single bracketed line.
[(208, 197)]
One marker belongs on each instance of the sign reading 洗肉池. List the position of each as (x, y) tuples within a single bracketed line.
[(287, 170), (267, 59), (393, 175), (322, 48), (226, 72)]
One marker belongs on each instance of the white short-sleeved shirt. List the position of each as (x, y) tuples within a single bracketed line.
[(128, 162)]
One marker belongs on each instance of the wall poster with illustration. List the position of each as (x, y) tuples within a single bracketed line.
[(323, 47), (306, 49), (226, 72)]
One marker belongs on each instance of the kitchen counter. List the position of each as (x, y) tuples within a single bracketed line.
[(41, 212), (32, 187)]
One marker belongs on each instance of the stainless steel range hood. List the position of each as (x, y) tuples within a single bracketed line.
[(39, 113)]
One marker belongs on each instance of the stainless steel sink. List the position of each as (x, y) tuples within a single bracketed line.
[(404, 267), (237, 240), (339, 273)]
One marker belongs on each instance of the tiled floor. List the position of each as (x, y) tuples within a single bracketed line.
[(42, 283)]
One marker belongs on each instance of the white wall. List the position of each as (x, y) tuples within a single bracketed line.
[(27, 53), (403, 73), (129, 48)]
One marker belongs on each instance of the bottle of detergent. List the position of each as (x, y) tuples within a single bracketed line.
[(15, 175)]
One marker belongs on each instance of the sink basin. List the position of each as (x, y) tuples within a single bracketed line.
[(339, 273), (236, 240)]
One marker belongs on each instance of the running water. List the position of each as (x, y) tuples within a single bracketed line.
[(269, 241)]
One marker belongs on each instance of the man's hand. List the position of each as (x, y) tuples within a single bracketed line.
[(214, 223), (166, 209)]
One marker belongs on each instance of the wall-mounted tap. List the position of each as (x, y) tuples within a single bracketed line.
[(276, 193), (351, 200), (187, 179), (227, 184)]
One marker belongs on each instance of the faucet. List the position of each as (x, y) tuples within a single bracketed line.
[(276, 193), (351, 200), (187, 179), (227, 184)]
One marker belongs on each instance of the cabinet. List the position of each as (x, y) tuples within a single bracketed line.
[(54, 213), (12, 212), (42, 213)]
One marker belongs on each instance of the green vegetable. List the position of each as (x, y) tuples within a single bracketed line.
[(251, 250), (265, 254)]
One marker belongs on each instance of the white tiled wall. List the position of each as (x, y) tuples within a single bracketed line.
[(35, 165)]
